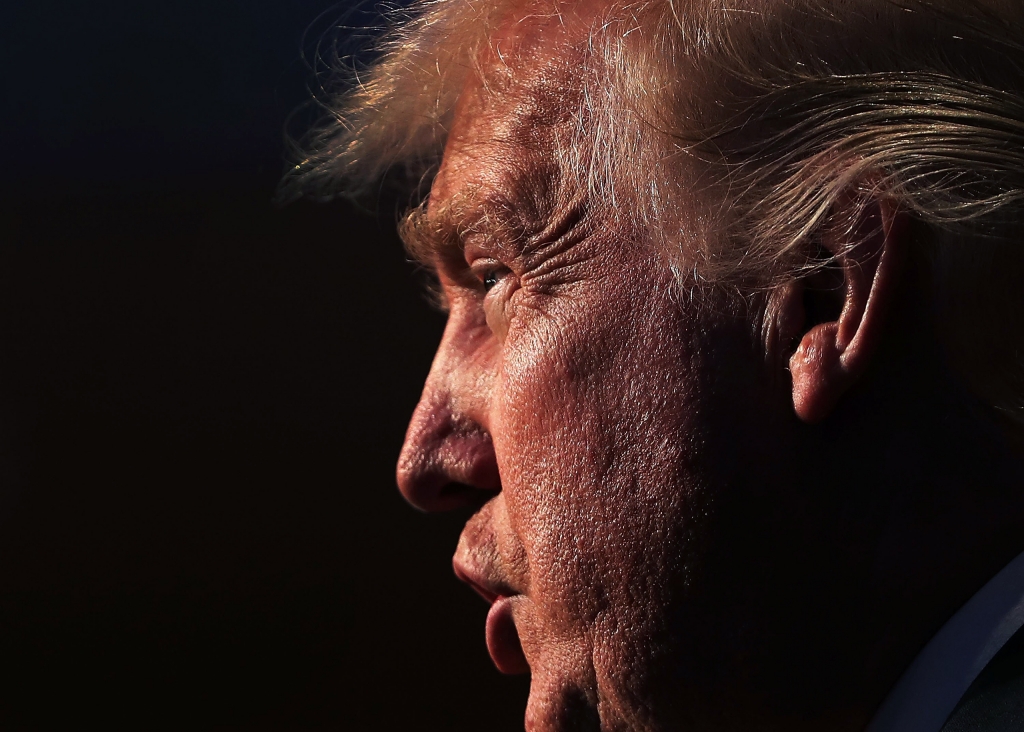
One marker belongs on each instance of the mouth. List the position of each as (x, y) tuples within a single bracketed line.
[(502, 637)]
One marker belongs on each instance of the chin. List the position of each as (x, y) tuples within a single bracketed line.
[(576, 698), (557, 707)]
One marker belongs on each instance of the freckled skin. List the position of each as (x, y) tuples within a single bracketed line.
[(681, 551)]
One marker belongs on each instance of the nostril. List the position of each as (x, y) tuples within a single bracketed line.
[(453, 470), (436, 493), (432, 483), (447, 459)]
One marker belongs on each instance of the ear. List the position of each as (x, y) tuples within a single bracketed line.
[(852, 307)]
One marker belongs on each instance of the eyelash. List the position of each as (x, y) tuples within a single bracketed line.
[(488, 273)]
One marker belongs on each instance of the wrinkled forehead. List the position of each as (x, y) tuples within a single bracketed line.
[(528, 86)]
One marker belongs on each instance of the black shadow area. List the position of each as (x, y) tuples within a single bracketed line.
[(202, 397)]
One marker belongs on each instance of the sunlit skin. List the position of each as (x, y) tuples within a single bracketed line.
[(654, 507)]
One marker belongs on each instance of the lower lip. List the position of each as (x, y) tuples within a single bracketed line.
[(503, 638)]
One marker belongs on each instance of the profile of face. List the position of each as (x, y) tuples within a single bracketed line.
[(627, 448)]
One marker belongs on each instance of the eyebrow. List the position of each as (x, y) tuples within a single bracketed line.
[(441, 234), (425, 237)]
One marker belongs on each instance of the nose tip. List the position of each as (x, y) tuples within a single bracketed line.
[(446, 463)]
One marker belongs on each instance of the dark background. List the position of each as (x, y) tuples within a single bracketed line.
[(202, 397)]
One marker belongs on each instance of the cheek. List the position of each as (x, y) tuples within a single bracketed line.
[(595, 430)]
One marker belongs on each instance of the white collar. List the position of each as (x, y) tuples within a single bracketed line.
[(932, 685)]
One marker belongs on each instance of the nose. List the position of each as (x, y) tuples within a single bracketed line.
[(448, 460)]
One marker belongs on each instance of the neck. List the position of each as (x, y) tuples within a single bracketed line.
[(856, 556), (954, 518), (935, 507)]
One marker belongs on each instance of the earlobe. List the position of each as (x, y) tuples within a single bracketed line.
[(818, 373), (831, 356)]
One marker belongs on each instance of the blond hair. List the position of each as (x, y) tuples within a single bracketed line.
[(783, 107)]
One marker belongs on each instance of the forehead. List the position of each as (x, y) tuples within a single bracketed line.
[(527, 86), (545, 131)]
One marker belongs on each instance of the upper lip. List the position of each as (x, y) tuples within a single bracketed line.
[(488, 587)]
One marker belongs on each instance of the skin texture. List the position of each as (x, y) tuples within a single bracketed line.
[(537, 392), (681, 520)]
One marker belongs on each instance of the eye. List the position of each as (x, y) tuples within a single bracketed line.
[(489, 273), (493, 275)]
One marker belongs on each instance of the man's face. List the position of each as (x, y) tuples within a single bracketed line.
[(586, 405)]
